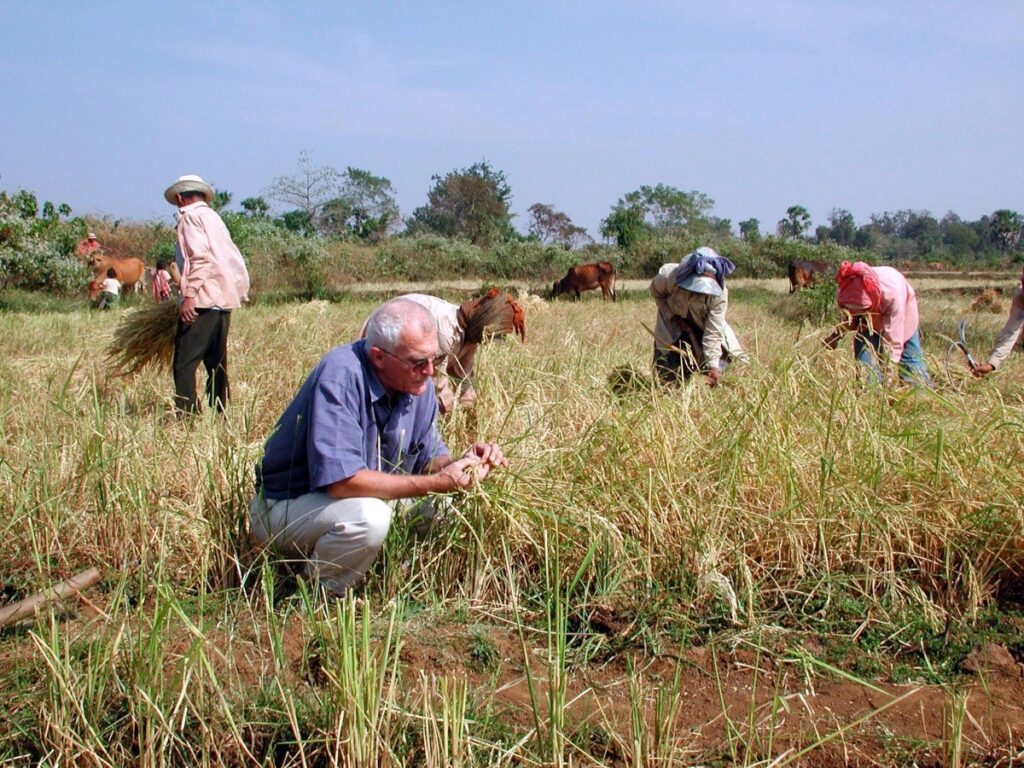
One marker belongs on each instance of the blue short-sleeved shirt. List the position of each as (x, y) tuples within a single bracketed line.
[(342, 420)]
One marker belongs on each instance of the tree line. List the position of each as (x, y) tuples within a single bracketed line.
[(470, 209), (474, 204)]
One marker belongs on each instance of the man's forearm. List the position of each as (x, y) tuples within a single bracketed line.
[(437, 463), (381, 485)]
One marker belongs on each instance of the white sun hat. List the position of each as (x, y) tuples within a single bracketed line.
[(190, 183)]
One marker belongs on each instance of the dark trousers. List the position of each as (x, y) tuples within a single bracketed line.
[(669, 364), (206, 341), (672, 366)]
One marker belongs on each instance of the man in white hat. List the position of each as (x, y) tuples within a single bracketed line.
[(690, 332), (214, 281)]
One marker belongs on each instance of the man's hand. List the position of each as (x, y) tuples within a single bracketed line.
[(188, 311), (474, 465), (464, 473), (487, 453), (982, 369), (714, 376)]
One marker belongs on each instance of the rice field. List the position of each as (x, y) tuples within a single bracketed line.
[(796, 568)]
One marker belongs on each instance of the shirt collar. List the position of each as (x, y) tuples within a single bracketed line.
[(193, 206), (377, 390)]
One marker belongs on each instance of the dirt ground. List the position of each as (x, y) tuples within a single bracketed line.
[(734, 706), (769, 706)]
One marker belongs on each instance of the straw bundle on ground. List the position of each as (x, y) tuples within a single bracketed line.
[(145, 337)]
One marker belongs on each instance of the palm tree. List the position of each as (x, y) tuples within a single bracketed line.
[(797, 221)]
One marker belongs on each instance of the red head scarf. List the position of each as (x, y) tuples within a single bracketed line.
[(858, 286)]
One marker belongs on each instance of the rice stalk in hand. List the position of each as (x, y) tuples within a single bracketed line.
[(145, 337)]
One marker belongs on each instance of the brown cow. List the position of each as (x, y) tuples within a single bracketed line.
[(802, 273), (587, 277), (131, 273)]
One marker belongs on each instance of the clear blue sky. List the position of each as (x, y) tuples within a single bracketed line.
[(863, 105)]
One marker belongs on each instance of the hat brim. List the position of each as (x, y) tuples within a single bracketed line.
[(701, 284), (178, 187)]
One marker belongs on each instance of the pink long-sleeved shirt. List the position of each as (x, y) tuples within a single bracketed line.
[(898, 309), (212, 271)]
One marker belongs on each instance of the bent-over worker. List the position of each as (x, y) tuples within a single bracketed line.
[(882, 308), (691, 333), (1008, 337)]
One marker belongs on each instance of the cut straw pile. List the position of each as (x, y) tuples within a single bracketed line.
[(145, 337)]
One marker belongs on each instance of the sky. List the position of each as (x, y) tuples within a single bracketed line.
[(863, 105)]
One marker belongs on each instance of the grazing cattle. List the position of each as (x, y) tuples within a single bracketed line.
[(130, 273), (587, 277), (802, 273)]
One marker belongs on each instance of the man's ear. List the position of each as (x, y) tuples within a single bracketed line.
[(376, 357)]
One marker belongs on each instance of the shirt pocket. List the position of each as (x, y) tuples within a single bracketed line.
[(411, 456)]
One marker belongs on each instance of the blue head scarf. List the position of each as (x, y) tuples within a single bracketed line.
[(702, 261)]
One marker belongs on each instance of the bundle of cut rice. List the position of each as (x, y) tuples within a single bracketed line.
[(145, 337), (495, 313)]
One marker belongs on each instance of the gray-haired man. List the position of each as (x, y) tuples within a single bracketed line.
[(360, 434)]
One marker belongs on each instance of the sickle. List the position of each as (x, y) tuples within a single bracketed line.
[(962, 343)]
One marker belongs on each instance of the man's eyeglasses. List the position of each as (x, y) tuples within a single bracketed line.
[(419, 363)]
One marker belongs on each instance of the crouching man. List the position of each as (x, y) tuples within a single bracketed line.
[(360, 434)]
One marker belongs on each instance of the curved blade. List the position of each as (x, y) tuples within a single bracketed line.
[(962, 343)]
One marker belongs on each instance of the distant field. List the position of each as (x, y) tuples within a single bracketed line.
[(794, 569), (923, 281)]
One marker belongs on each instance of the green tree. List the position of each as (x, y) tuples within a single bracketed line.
[(866, 238), (549, 225), (365, 208), (959, 237), (221, 199), (750, 230), (923, 229), (797, 221), (890, 223), (670, 211), (625, 225), (255, 207), (296, 221), (1005, 229), (472, 203), (842, 228)]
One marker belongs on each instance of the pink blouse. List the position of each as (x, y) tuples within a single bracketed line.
[(898, 309)]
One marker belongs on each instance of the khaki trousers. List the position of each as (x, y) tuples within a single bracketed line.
[(337, 539)]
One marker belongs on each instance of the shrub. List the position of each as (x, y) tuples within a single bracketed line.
[(645, 257), (36, 253), (816, 304), (524, 260), (428, 257), (277, 258), (36, 265)]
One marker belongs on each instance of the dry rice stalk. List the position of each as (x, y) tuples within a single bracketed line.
[(144, 337), (988, 301), (496, 313)]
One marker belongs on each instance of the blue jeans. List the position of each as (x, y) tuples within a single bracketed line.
[(867, 349)]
